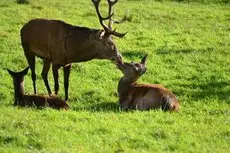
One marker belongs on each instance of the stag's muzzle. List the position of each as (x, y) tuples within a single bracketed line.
[(118, 58)]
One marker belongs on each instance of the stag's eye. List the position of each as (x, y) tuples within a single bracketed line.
[(109, 43)]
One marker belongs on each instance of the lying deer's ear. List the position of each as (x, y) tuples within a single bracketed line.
[(143, 61), (144, 70), (10, 72), (25, 71)]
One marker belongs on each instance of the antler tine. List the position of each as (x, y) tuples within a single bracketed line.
[(108, 28), (122, 20), (118, 34), (96, 4), (111, 3), (111, 21)]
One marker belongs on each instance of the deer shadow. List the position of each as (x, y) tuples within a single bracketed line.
[(210, 88), (133, 54), (167, 51), (95, 101), (99, 107)]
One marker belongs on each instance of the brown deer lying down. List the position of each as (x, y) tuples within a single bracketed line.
[(61, 44), (20, 99), (142, 96)]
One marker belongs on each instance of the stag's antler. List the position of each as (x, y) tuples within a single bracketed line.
[(111, 3), (111, 21), (108, 29)]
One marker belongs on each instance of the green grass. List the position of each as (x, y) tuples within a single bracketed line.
[(189, 53)]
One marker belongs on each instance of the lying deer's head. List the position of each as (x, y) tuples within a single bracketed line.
[(105, 44), (18, 81), (133, 70), (18, 77)]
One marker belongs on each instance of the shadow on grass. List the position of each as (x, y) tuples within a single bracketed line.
[(208, 89), (213, 89), (133, 54), (201, 86), (98, 107), (165, 51)]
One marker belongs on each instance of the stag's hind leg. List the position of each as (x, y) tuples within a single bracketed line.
[(56, 76), (31, 61), (45, 70), (66, 79)]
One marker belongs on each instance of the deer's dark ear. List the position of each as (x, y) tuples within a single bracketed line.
[(143, 61), (25, 71), (10, 72)]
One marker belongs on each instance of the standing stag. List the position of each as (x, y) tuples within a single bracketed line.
[(61, 44), (142, 96), (20, 99)]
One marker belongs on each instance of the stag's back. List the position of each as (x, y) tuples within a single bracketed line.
[(43, 37), (57, 41)]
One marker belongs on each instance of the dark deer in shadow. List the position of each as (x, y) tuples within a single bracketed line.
[(142, 96), (61, 44), (21, 99)]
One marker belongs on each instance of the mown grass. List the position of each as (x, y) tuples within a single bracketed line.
[(189, 53)]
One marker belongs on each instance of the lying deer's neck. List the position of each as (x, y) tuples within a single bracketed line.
[(18, 92), (125, 84)]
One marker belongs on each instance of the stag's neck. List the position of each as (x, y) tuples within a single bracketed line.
[(79, 44), (18, 92), (125, 84)]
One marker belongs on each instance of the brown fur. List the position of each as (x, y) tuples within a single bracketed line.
[(143, 96), (61, 44), (39, 101)]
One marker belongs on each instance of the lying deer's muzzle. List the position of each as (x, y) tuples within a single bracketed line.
[(119, 65)]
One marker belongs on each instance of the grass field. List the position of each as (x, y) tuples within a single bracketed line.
[(188, 43)]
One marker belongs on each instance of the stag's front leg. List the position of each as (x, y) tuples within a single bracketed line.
[(56, 76), (66, 79), (45, 70), (31, 61)]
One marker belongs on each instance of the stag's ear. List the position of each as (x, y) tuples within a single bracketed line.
[(10, 72), (25, 71), (143, 61)]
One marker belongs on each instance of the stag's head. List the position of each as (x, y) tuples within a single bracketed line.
[(133, 70), (105, 44)]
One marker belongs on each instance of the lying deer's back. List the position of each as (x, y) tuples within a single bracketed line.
[(147, 96), (45, 101)]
